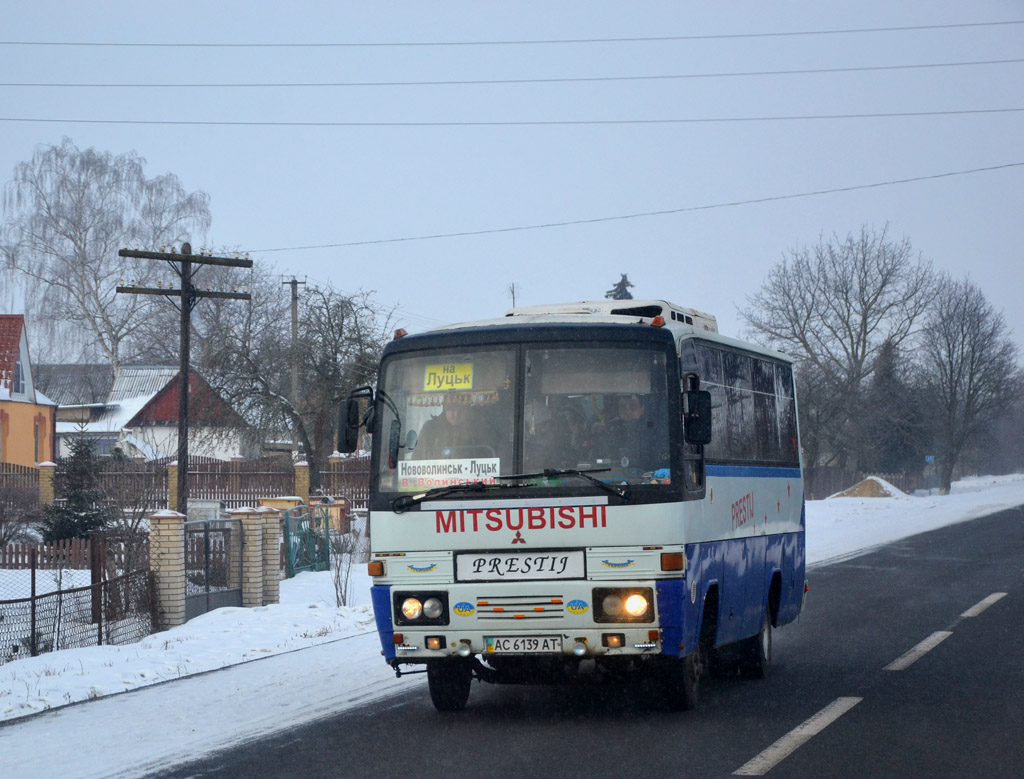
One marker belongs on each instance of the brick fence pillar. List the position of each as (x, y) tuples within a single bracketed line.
[(302, 481), (167, 563), (172, 486), (271, 555), (252, 555), (46, 488)]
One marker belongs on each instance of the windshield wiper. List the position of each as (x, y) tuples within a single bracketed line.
[(406, 502), (622, 491)]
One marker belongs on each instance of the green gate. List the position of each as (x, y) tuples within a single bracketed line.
[(307, 539)]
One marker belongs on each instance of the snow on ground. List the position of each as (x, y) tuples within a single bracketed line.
[(316, 659)]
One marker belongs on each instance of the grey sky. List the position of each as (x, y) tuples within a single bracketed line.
[(280, 187)]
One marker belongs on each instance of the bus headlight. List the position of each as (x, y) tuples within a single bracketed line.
[(420, 608), (412, 609), (433, 608), (636, 605), (623, 604)]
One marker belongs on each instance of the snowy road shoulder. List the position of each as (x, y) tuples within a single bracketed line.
[(151, 729)]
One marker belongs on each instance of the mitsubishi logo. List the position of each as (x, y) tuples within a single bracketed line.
[(519, 538)]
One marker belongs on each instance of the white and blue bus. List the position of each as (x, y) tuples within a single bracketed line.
[(605, 485)]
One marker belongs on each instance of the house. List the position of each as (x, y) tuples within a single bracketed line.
[(27, 416), (135, 410)]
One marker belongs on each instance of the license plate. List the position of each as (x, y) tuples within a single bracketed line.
[(518, 645)]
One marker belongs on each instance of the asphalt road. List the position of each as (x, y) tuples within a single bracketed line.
[(908, 661)]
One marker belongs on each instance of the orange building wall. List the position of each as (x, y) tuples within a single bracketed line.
[(18, 432)]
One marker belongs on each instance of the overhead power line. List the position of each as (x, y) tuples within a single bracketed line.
[(520, 123), (502, 81), (523, 42), (643, 214)]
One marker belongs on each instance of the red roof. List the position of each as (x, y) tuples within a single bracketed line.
[(11, 326)]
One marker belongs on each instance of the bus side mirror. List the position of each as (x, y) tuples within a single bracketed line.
[(348, 420), (697, 417)]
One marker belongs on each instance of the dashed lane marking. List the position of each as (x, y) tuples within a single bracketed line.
[(909, 658), (983, 604), (797, 737)]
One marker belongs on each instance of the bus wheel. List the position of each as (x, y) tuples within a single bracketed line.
[(682, 680), (449, 682), (757, 651)]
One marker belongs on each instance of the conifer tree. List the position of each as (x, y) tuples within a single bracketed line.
[(83, 507), (621, 289)]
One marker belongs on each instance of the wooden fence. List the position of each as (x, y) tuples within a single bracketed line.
[(349, 478), (239, 483), (21, 478), (145, 484), (54, 555), (821, 482)]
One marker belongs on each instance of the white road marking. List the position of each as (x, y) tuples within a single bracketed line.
[(908, 659), (983, 604), (785, 746)]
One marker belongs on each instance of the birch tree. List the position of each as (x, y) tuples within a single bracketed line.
[(67, 212)]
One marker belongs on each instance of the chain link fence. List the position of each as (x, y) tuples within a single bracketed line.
[(47, 610)]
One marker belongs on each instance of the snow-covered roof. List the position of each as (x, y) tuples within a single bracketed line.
[(113, 420)]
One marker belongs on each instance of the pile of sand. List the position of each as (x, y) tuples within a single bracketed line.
[(871, 487)]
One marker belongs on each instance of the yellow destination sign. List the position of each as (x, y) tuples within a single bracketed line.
[(449, 376)]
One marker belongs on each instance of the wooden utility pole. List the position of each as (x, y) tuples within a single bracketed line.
[(294, 283), (187, 296)]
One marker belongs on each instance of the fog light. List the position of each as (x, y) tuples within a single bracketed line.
[(435, 642), (465, 650), (613, 640), (579, 648)]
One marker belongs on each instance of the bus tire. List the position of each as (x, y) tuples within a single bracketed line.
[(449, 682), (756, 654), (682, 686)]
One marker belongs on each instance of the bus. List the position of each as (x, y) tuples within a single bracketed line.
[(572, 490)]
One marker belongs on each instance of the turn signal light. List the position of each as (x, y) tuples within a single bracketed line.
[(671, 561), (375, 568), (398, 638), (658, 321)]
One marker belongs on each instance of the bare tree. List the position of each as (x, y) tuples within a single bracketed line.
[(19, 512), (66, 213), (340, 340), (835, 307), (970, 370)]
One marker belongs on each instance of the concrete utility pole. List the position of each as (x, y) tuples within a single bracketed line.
[(295, 361), (187, 295)]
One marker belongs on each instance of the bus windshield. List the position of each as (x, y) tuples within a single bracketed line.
[(458, 417)]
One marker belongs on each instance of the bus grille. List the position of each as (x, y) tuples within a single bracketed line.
[(520, 608)]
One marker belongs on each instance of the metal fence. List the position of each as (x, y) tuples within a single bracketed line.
[(307, 539), (213, 565), (118, 610)]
